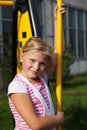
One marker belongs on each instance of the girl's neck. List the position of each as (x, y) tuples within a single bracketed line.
[(32, 80), (36, 80)]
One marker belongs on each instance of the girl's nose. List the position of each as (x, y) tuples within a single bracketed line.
[(36, 66)]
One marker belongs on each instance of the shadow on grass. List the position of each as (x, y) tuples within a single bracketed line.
[(75, 116)]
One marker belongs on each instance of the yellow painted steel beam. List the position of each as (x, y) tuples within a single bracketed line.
[(23, 25), (6, 2), (58, 42)]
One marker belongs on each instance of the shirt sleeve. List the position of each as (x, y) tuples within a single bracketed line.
[(16, 87)]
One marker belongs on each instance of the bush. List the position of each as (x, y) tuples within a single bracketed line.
[(68, 59)]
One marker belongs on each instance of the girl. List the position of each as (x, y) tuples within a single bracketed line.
[(29, 96)]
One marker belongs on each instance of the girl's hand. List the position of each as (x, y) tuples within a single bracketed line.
[(62, 10), (60, 117)]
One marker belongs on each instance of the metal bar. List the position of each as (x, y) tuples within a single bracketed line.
[(6, 2), (58, 40)]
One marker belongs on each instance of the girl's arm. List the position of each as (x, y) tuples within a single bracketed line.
[(24, 106)]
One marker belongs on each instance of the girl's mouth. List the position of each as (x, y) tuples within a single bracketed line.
[(34, 72)]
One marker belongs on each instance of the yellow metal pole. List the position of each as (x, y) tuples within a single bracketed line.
[(58, 44), (6, 2)]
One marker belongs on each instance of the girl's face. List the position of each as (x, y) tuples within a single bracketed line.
[(34, 64)]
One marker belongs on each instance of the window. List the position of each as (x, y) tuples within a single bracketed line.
[(72, 31), (75, 28), (6, 31), (86, 31), (6, 34), (65, 30), (7, 20), (80, 33)]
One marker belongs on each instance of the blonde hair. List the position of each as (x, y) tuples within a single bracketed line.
[(36, 43)]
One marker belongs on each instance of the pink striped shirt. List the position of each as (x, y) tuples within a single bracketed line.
[(20, 85)]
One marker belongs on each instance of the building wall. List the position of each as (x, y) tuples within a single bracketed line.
[(79, 66), (77, 3), (47, 20)]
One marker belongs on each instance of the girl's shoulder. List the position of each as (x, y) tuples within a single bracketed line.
[(17, 85)]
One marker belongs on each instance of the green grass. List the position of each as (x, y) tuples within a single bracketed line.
[(74, 104), (75, 88), (6, 120)]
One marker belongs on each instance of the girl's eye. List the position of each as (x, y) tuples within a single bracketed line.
[(42, 64), (32, 60)]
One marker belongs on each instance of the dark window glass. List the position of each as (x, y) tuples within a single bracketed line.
[(80, 33), (7, 27), (64, 20), (65, 40), (81, 43), (72, 38), (72, 17), (7, 42), (6, 12), (72, 31), (86, 43), (86, 21), (80, 19), (86, 31)]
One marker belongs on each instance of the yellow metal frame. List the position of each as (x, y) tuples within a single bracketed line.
[(23, 25), (6, 2), (58, 40)]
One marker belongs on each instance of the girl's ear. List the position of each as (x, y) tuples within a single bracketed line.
[(21, 57)]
